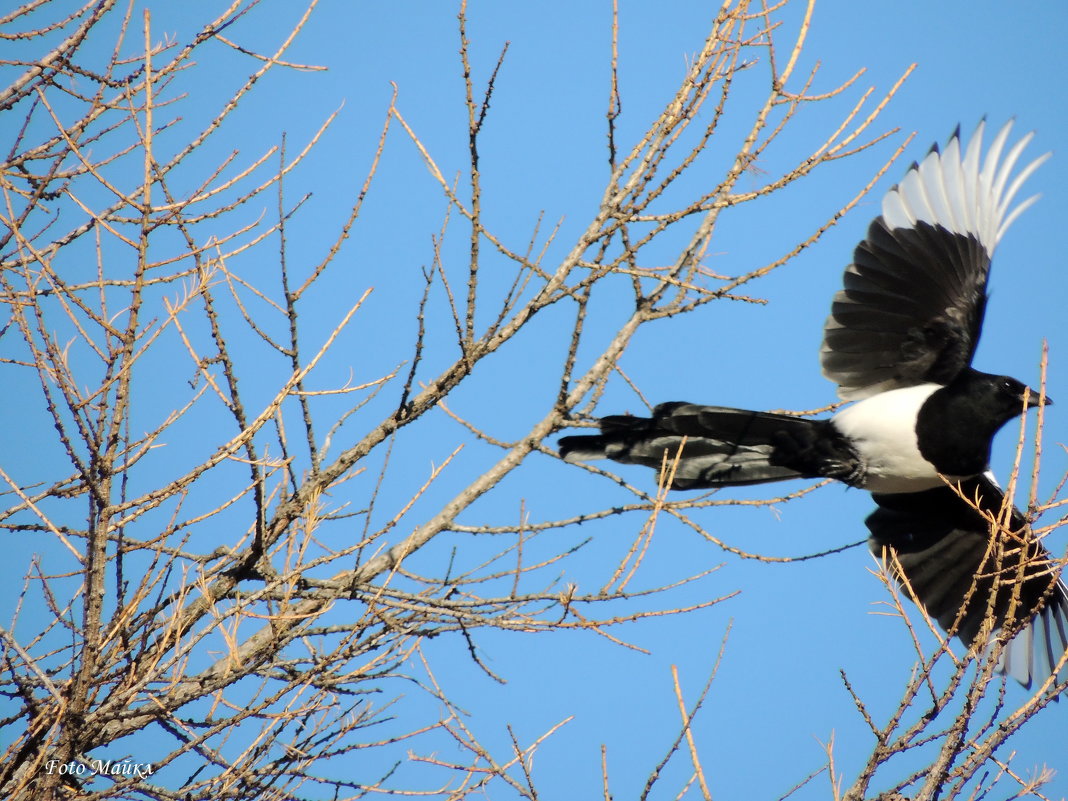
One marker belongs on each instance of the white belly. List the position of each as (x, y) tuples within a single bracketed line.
[(883, 431)]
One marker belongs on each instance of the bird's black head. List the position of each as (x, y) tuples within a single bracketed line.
[(956, 424), (986, 402), (1015, 396)]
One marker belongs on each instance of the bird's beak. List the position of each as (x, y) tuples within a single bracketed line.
[(1034, 397)]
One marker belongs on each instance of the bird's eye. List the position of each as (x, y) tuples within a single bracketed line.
[(1013, 389)]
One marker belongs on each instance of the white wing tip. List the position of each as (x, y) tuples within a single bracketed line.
[(1040, 650), (961, 190)]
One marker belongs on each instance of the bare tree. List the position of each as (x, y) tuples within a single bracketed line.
[(235, 564)]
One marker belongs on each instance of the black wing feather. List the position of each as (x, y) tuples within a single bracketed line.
[(912, 305), (944, 555)]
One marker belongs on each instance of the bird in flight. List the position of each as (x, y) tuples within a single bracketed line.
[(899, 343)]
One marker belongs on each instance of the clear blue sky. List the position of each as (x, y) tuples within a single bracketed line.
[(778, 693)]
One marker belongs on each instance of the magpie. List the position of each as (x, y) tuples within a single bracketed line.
[(899, 344)]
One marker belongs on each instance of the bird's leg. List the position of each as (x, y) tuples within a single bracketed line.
[(818, 452)]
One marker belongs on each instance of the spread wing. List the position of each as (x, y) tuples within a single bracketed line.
[(912, 307), (944, 555)]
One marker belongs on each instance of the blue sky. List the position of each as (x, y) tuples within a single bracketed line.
[(793, 627)]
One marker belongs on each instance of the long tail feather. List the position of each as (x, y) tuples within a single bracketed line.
[(719, 446)]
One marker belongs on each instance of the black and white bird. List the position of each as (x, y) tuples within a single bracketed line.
[(899, 343)]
